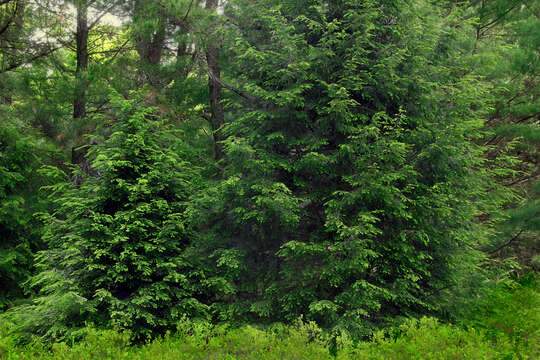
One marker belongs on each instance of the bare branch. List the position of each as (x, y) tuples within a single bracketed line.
[(102, 14), (230, 87), (514, 238), (11, 18), (188, 11), (119, 50)]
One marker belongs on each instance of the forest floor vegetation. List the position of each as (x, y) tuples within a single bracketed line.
[(502, 324)]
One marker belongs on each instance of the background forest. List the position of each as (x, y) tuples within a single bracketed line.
[(260, 179)]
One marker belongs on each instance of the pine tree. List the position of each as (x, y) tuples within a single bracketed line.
[(508, 46)]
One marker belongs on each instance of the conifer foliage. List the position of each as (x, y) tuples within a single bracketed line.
[(349, 167), (116, 242), (19, 235), (341, 162)]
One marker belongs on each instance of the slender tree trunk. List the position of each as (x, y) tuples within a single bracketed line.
[(79, 102), (5, 97), (150, 46), (215, 89), (11, 30)]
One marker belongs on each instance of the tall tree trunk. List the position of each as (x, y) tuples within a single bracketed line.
[(79, 102), (150, 46), (11, 30), (5, 97), (215, 89)]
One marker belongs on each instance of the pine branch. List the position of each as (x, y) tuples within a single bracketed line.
[(32, 59)]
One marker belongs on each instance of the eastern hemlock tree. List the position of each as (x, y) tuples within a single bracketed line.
[(117, 242), (348, 190)]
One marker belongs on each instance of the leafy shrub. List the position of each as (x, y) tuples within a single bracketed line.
[(418, 339), (427, 339)]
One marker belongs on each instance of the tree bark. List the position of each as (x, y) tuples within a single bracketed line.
[(150, 46), (215, 89), (79, 102)]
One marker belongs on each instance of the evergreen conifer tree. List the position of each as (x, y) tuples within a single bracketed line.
[(508, 46), (349, 176), (117, 243)]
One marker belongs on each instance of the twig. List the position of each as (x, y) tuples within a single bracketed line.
[(514, 238), (230, 87)]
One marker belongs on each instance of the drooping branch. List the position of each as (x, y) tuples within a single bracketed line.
[(499, 248), (14, 66), (232, 88)]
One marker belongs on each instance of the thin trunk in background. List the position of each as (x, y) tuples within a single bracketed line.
[(215, 88), (79, 102), (150, 45)]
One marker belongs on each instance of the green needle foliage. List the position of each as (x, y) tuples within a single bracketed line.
[(117, 242), (509, 48), (19, 198), (350, 172)]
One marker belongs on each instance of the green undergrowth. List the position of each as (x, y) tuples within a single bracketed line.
[(504, 324)]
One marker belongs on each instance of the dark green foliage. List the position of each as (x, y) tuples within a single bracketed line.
[(19, 198), (349, 174), (508, 45), (524, 220), (117, 242)]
